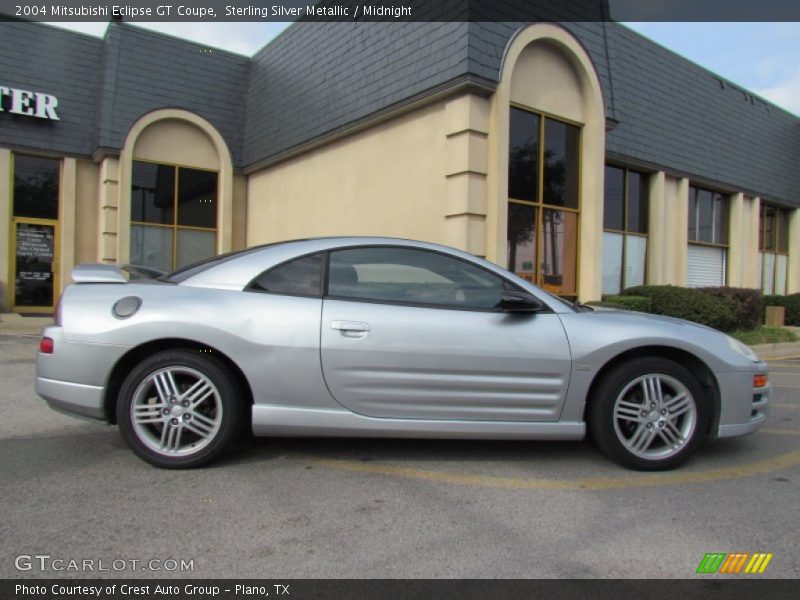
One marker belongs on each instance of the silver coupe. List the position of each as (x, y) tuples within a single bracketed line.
[(383, 337)]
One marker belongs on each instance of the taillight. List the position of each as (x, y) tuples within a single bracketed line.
[(46, 345), (760, 381)]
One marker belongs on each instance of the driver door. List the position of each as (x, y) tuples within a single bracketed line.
[(415, 334)]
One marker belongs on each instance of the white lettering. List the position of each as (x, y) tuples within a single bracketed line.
[(29, 104), (21, 102)]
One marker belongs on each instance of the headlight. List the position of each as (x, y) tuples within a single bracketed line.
[(742, 349)]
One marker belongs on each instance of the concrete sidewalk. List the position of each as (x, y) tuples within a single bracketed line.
[(14, 324), (777, 351)]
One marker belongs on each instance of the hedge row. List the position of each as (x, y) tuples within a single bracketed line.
[(637, 303), (687, 303), (747, 305), (722, 308), (792, 305)]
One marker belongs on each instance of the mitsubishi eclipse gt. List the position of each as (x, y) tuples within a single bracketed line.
[(378, 337)]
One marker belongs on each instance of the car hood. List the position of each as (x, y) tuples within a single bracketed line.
[(596, 336), (633, 316)]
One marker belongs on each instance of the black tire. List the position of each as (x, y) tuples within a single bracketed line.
[(224, 406), (606, 429)]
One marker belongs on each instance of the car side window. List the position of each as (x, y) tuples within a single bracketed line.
[(411, 276), (299, 277)]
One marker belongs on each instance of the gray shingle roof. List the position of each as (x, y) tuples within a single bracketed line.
[(145, 71), (52, 61), (316, 79)]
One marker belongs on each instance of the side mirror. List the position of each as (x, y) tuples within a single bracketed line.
[(520, 302)]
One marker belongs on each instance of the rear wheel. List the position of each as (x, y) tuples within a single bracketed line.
[(179, 409), (649, 414)]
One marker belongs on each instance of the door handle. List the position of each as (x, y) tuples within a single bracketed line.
[(353, 326)]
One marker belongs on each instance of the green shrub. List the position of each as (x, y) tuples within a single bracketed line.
[(748, 304), (689, 304), (792, 304), (639, 303)]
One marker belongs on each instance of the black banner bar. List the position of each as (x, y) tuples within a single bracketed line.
[(708, 588), (400, 10)]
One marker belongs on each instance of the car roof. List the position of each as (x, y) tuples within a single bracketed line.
[(236, 270)]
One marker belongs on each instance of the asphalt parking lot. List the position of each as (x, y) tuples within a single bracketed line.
[(298, 508)]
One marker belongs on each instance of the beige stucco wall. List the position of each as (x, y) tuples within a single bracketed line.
[(86, 213), (743, 267), (6, 185), (176, 142), (544, 79), (668, 230), (387, 180), (239, 224), (793, 278)]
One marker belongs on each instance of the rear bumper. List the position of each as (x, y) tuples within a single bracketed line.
[(76, 399), (73, 378)]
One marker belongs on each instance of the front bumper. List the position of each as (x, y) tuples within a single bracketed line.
[(743, 408)]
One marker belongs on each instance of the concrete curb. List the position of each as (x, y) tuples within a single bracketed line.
[(777, 351)]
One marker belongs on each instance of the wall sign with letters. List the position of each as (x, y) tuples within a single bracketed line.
[(28, 104)]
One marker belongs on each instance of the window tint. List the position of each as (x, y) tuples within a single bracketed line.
[(523, 155), (708, 216), (173, 215), (637, 203), (411, 276), (783, 230), (35, 187), (561, 164), (614, 198), (197, 198), (152, 193), (301, 276)]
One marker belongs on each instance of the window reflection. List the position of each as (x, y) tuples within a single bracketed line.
[(522, 240), (542, 243), (523, 155), (162, 236), (559, 251), (561, 164)]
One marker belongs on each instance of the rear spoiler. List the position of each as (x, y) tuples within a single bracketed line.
[(97, 273)]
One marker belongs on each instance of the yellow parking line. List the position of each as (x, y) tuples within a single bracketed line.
[(782, 461), (784, 405), (778, 431), (768, 358)]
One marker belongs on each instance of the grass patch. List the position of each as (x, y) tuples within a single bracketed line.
[(765, 335)]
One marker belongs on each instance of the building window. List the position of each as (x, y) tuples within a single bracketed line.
[(173, 215), (708, 238), (626, 210), (773, 246), (543, 191), (34, 228)]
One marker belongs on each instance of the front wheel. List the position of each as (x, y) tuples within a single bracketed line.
[(179, 409), (650, 414)]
